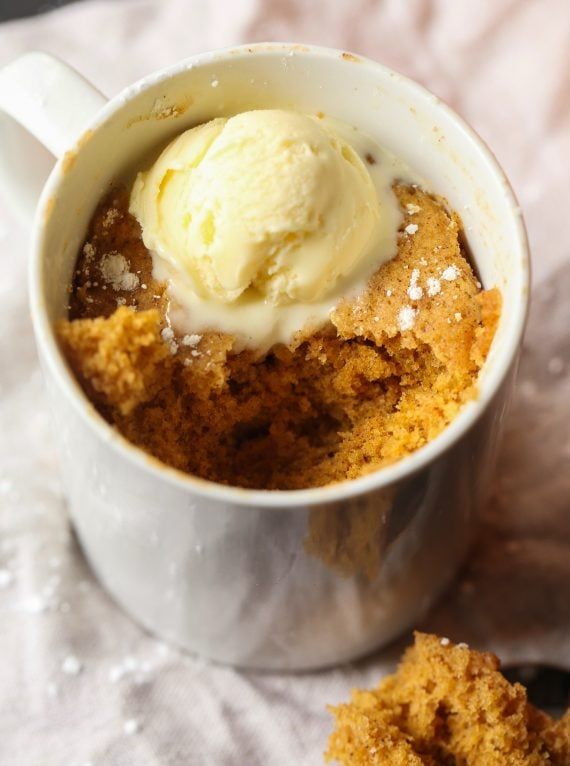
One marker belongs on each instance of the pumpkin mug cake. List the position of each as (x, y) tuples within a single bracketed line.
[(226, 280), (276, 302), (446, 704)]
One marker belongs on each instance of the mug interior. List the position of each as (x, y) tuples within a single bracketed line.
[(396, 112)]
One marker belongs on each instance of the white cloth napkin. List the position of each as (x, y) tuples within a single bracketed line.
[(79, 682)]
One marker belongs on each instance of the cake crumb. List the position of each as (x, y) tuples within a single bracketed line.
[(446, 704)]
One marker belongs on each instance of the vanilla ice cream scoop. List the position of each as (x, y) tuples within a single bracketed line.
[(270, 201)]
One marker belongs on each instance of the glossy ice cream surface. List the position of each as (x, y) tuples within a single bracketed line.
[(262, 221)]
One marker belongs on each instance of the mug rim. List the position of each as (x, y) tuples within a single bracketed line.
[(348, 488)]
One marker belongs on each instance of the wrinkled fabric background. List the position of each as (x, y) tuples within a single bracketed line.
[(128, 699)]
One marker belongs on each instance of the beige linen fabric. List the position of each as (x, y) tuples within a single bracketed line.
[(79, 682)]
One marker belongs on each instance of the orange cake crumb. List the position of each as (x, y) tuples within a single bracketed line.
[(389, 371), (446, 705), (121, 358)]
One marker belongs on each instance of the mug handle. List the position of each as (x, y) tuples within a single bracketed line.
[(44, 107)]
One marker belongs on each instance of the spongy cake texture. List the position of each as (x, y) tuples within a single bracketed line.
[(446, 705), (389, 371)]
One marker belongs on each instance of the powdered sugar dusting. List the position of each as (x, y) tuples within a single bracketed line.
[(415, 292), (33, 605), (132, 726), (52, 690), (450, 273), (406, 318), (6, 578), (130, 667), (111, 216), (167, 335), (89, 251), (191, 340), (71, 666), (411, 228), (433, 286), (115, 271)]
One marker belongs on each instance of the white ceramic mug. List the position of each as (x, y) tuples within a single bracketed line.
[(256, 578)]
